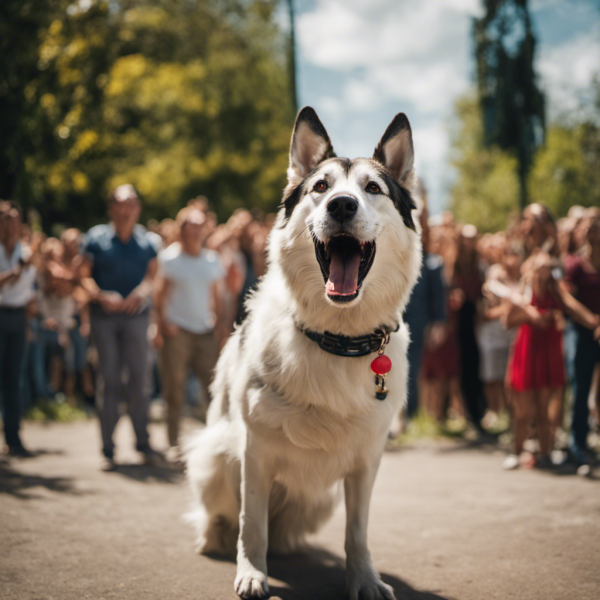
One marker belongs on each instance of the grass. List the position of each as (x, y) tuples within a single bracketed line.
[(424, 426), (58, 410)]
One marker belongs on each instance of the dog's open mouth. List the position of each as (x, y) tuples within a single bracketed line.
[(344, 262)]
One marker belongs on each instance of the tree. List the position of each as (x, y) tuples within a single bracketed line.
[(20, 22), (566, 171), (511, 103), (487, 187), (178, 97)]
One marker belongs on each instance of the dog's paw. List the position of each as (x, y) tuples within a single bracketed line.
[(251, 583), (368, 586)]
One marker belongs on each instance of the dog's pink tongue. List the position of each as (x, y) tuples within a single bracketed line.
[(343, 274)]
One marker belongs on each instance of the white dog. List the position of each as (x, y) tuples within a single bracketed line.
[(296, 406)]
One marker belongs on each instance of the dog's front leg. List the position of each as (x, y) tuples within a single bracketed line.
[(251, 577), (363, 581)]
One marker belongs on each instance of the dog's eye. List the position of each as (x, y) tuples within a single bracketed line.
[(373, 188), (320, 186)]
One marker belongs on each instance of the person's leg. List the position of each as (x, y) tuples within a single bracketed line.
[(12, 352), (542, 401), (522, 404), (471, 386), (586, 355), (414, 355), (105, 337), (134, 346), (491, 396), (438, 394), (456, 400), (204, 360), (555, 411), (175, 356)]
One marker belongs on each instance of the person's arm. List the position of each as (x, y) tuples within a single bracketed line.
[(132, 303), (516, 315), (10, 276), (576, 310), (162, 292), (493, 313), (437, 303), (437, 293), (111, 302)]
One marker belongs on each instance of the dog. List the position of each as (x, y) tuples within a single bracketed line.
[(301, 401)]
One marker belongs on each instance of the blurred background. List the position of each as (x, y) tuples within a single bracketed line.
[(197, 97)]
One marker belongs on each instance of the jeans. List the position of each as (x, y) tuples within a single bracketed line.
[(587, 354), (470, 383), (13, 324), (121, 343)]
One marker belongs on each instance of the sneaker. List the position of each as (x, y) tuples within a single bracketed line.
[(152, 458), (108, 464), (544, 462), (584, 470), (173, 454), (511, 462), (19, 451)]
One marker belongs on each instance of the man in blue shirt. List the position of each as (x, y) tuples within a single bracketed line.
[(118, 272)]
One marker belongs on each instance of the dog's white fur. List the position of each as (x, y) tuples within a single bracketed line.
[(288, 421)]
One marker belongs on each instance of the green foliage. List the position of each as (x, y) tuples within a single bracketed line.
[(177, 97), (51, 410), (567, 170), (486, 191)]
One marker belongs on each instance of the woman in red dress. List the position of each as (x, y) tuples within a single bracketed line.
[(536, 370)]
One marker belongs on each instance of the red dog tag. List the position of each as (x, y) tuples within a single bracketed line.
[(381, 365)]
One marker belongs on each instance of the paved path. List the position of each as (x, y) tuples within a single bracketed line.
[(446, 522)]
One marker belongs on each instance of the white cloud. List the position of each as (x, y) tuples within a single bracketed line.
[(567, 70), (376, 57), (407, 52), (349, 34)]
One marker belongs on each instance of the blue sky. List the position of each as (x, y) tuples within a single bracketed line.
[(359, 62)]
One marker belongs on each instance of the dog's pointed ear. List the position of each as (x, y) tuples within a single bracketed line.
[(395, 151), (310, 145)]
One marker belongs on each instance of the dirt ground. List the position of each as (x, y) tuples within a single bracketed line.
[(446, 522)]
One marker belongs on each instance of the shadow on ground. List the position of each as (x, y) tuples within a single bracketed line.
[(23, 485), (149, 473), (488, 442), (321, 575)]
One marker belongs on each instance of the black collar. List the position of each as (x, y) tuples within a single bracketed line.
[(342, 345)]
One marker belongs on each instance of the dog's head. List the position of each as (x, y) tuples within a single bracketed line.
[(345, 234)]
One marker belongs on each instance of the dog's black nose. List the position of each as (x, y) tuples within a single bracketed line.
[(342, 208)]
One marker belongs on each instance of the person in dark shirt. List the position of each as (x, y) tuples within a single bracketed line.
[(118, 271), (426, 307), (583, 278)]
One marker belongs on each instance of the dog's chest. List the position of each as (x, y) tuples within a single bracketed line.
[(312, 426)]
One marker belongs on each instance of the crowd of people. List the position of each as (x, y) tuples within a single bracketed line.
[(499, 322), (521, 327), (94, 315)]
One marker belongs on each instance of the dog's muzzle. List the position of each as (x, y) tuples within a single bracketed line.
[(345, 262)]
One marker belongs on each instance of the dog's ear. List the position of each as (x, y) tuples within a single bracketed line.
[(310, 145), (395, 151)]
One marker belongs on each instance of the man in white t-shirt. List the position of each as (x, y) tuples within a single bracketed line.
[(186, 304)]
